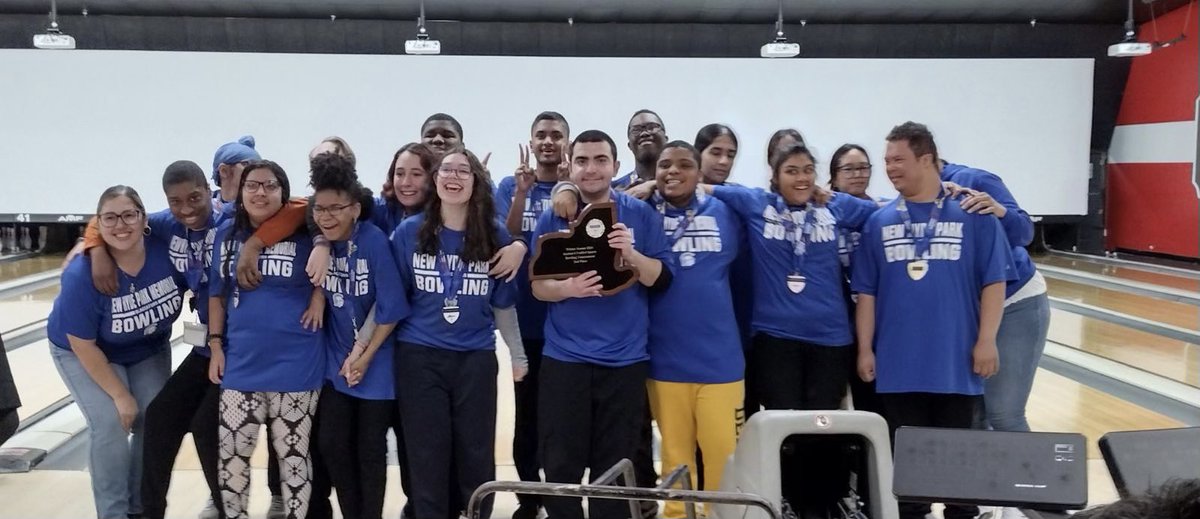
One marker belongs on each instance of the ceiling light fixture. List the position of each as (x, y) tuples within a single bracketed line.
[(53, 38), (422, 45), (1129, 47), (780, 48)]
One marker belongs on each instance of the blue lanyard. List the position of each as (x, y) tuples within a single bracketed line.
[(685, 220), (195, 260), (796, 233), (451, 278), (921, 243)]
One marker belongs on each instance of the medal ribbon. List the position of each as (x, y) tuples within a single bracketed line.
[(921, 243), (798, 233)]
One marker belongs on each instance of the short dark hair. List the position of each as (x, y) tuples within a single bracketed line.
[(778, 136), (443, 117), (919, 138), (595, 136), (682, 145), (182, 171), (645, 111), (550, 116), (709, 133), (837, 156)]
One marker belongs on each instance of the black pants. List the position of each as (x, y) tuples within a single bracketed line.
[(525, 430), (9, 421), (930, 410), (188, 402), (643, 461), (798, 375), (352, 436), (448, 399), (590, 417)]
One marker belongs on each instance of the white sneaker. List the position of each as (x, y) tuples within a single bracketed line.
[(210, 511), (276, 511)]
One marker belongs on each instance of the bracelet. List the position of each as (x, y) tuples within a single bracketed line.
[(215, 337)]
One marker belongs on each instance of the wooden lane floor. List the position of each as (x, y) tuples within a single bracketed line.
[(29, 266), (21, 310), (1127, 273), (1174, 359), (1173, 313)]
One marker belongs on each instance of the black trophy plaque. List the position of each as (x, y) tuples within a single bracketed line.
[(583, 247)]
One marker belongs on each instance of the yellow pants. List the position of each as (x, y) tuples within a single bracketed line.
[(708, 415)]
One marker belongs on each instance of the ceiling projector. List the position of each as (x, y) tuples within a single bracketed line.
[(1129, 49), (422, 46), (53, 40), (780, 49)]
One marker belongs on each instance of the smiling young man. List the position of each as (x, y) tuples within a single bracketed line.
[(595, 359), (930, 280), (519, 200), (647, 136)]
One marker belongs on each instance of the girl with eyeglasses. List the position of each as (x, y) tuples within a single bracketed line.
[(267, 352), (358, 401), (446, 362), (113, 352)]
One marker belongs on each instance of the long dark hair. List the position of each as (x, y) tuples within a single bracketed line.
[(709, 133), (480, 242), (837, 157), (241, 219), (429, 160)]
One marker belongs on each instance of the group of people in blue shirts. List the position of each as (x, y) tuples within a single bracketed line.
[(335, 317)]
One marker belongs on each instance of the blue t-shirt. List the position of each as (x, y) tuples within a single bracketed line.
[(388, 214), (191, 253), (694, 336), (266, 347), (128, 328), (818, 313), (471, 326), (608, 331), (531, 312), (357, 275), (925, 330), (1018, 227), (623, 182)]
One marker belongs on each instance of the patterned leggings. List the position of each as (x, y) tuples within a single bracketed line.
[(291, 418)]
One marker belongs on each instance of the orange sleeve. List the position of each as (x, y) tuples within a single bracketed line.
[(284, 223), (91, 235)]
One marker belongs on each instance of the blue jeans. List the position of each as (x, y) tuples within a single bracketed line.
[(1021, 340), (115, 460)]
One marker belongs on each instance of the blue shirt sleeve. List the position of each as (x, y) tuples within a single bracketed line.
[(1018, 226), (391, 302), (746, 202), (216, 282), (651, 240), (851, 212), (504, 197), (160, 224), (403, 260), (994, 263), (80, 303), (864, 267)]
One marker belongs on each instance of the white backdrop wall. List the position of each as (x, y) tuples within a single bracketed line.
[(73, 123)]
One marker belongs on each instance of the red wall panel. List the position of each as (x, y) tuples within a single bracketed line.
[(1153, 207), (1162, 86)]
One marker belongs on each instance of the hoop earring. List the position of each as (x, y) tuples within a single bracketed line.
[(146, 230)]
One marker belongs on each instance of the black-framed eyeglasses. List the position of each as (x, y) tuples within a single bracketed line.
[(253, 186), (855, 170), (131, 218), (332, 210), (452, 172), (647, 127)]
